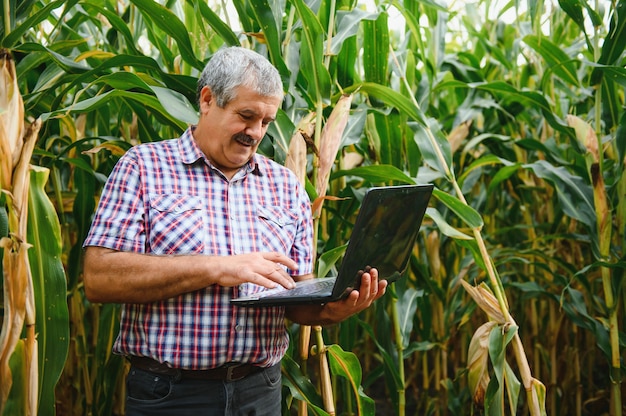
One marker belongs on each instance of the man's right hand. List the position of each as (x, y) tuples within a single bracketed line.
[(263, 269)]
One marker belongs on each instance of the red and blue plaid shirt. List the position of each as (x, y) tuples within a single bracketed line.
[(165, 198)]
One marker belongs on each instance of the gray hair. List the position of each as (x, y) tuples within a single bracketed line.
[(232, 67)]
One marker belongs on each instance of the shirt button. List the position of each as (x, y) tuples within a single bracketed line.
[(238, 328)]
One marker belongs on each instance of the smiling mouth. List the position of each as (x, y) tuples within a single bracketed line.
[(245, 140)]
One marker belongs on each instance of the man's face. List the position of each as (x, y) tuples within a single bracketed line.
[(229, 136)]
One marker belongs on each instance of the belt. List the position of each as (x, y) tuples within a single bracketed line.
[(228, 372)]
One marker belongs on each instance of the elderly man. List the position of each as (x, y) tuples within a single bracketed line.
[(185, 225)]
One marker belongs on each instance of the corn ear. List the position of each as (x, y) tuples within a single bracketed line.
[(433, 254), (585, 135), (296, 154), (478, 362), (11, 118), (458, 135), (330, 140)]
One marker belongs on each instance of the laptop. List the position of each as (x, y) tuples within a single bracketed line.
[(383, 237)]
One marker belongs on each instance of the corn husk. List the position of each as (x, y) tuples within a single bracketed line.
[(485, 301), (296, 155), (11, 118), (587, 137), (332, 133), (458, 135)]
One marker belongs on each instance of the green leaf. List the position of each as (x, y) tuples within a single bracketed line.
[(498, 340), (169, 23), (311, 54), (466, 213), (558, 61), (376, 49), (265, 18), (222, 29), (17, 401), (487, 160), (376, 174), (300, 386), (391, 366), (50, 288), (67, 64), (530, 99), (94, 103), (44, 13), (116, 22), (575, 195), (346, 364), (434, 147), (502, 175), (444, 227), (176, 105), (348, 24), (406, 306), (391, 98), (389, 132), (615, 41), (328, 260), (123, 80)]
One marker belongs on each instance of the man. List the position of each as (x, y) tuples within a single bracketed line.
[(185, 225)]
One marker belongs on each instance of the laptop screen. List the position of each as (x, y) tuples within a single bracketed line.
[(384, 233)]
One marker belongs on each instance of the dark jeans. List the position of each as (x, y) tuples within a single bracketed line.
[(152, 394)]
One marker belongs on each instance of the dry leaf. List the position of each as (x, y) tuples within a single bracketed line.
[(486, 301)]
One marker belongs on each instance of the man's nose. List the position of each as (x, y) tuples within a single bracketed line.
[(255, 130)]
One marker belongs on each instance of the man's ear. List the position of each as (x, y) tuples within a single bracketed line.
[(206, 97)]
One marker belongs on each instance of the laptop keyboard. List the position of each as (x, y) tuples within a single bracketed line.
[(311, 286)]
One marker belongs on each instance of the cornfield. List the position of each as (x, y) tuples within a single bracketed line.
[(513, 302)]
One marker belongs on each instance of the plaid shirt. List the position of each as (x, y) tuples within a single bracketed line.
[(165, 198)]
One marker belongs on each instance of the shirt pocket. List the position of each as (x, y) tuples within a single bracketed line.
[(278, 227), (176, 224)]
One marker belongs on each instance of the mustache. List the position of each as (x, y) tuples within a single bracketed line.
[(244, 138)]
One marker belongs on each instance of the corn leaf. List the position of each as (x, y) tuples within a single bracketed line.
[(17, 403), (312, 54), (376, 174), (265, 18), (169, 23), (300, 386), (466, 213), (92, 104), (376, 49), (221, 28), (49, 284), (558, 61), (346, 364)]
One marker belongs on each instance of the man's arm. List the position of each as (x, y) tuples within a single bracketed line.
[(334, 312), (122, 277)]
